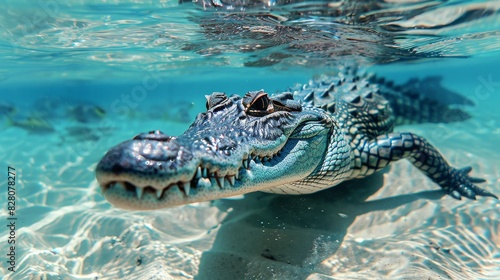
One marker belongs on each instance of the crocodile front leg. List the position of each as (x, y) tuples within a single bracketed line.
[(378, 153)]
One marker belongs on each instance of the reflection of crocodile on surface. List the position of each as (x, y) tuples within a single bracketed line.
[(302, 141)]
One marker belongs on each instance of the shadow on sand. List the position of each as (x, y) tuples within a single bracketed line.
[(268, 236)]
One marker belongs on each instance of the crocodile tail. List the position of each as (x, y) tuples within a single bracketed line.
[(410, 106)]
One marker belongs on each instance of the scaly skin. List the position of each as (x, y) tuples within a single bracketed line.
[(302, 141)]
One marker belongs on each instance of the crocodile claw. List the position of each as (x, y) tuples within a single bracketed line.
[(466, 170), (459, 184)]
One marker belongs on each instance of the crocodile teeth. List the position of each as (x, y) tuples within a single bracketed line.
[(159, 193), (184, 187), (230, 180), (198, 172), (245, 163), (139, 192), (237, 175), (187, 188), (204, 173), (220, 182), (204, 183)]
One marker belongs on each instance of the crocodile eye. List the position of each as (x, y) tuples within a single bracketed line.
[(260, 104), (215, 99), (257, 103)]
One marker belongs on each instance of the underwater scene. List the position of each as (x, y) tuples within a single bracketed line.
[(225, 139)]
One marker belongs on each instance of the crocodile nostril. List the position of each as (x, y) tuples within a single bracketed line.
[(153, 135)]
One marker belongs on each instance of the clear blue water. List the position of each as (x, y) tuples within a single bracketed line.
[(78, 77)]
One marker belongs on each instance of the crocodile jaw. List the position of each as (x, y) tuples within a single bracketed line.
[(254, 174)]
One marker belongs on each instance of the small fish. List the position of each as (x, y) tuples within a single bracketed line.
[(83, 133), (87, 113), (34, 125)]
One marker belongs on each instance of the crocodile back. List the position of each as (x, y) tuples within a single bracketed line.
[(373, 105), (353, 102)]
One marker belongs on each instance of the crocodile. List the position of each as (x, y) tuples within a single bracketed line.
[(303, 140)]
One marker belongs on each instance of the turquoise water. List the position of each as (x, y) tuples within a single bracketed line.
[(78, 77)]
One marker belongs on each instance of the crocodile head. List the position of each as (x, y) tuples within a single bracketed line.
[(239, 145)]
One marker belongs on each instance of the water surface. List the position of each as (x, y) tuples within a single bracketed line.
[(147, 66)]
